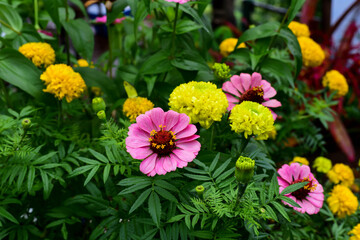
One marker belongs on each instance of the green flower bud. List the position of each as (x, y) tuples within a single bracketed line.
[(221, 71), (26, 123), (98, 104), (200, 189), (244, 169), (101, 115)]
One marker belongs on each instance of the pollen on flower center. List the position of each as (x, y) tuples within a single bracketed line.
[(162, 142), (255, 94), (304, 191)]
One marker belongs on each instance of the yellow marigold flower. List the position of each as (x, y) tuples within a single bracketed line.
[(62, 81), (252, 118), (84, 63), (336, 82), (299, 29), (342, 202), (228, 46), (300, 160), (312, 53), (41, 54), (203, 102), (322, 164), (355, 233), (133, 107), (342, 174)]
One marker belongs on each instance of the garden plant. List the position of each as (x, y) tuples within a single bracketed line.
[(174, 132)]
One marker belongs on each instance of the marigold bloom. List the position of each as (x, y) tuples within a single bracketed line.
[(355, 233), (228, 46), (336, 82), (310, 197), (133, 107), (300, 160), (246, 87), (164, 140), (322, 164), (342, 202), (41, 54), (252, 118), (203, 102), (83, 63), (178, 1), (299, 29), (312, 53), (62, 81), (221, 70), (342, 174)]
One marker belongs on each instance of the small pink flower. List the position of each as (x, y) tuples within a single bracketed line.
[(310, 197), (119, 20), (164, 140), (45, 32), (246, 87), (179, 1), (102, 19)]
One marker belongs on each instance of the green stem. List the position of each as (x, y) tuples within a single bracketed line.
[(174, 31), (244, 143), (241, 190), (36, 13), (6, 93), (212, 137), (59, 113), (263, 58), (66, 34), (10, 27)]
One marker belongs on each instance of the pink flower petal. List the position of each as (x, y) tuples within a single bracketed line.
[(315, 202), (295, 168), (188, 139), (245, 79), (265, 85), (285, 172), (147, 165), (269, 93), (181, 124), (171, 118), (193, 146), (229, 88), (179, 162), (236, 81), (135, 131), (305, 171), (255, 79), (282, 182), (317, 196), (184, 155), (187, 132), (145, 123), (231, 106), (309, 208), (136, 142), (273, 114), (157, 117), (168, 164), (272, 103), (139, 152), (159, 168)]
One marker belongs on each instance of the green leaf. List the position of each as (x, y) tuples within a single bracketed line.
[(99, 156), (264, 30), (294, 8), (81, 36), (188, 221), (192, 12), (176, 218), (155, 208), (143, 196), (165, 194), (135, 188), (198, 177), (106, 172), (182, 26), (221, 169), (28, 34), (7, 215), (20, 72), (157, 63), (91, 174), (45, 181), (271, 213), (52, 7), (64, 231), (292, 43), (274, 187), (195, 220), (31, 178), (116, 10), (10, 21), (21, 177), (203, 234), (150, 83), (190, 60), (89, 161), (44, 158), (166, 185), (214, 162), (134, 180), (290, 201), (293, 188), (80, 5), (279, 68), (281, 210)]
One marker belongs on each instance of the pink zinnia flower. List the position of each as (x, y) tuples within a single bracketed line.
[(310, 197), (246, 87), (165, 140), (179, 1)]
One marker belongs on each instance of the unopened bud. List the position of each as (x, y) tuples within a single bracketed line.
[(26, 123), (221, 71), (200, 190), (244, 169), (101, 115), (98, 104)]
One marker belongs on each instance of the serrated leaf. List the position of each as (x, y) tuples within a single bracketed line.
[(195, 220), (21, 177), (274, 186), (281, 210), (106, 172), (221, 168), (290, 201), (135, 188), (166, 185), (165, 194), (214, 162), (140, 200), (188, 221), (198, 177), (91, 174), (293, 187), (7, 215), (176, 218), (31, 178), (99, 156), (45, 181), (271, 213), (155, 208)]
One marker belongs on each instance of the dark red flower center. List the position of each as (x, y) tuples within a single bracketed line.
[(162, 142), (255, 94), (301, 193)]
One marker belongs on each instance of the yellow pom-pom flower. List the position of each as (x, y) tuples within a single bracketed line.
[(41, 54), (299, 29), (62, 81), (133, 107), (312, 53), (342, 202), (342, 174), (300, 160), (84, 63), (335, 81), (228, 46), (355, 233), (203, 102), (252, 118), (322, 164)]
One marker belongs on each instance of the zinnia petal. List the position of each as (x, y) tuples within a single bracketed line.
[(272, 103), (245, 79), (255, 80), (148, 164)]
